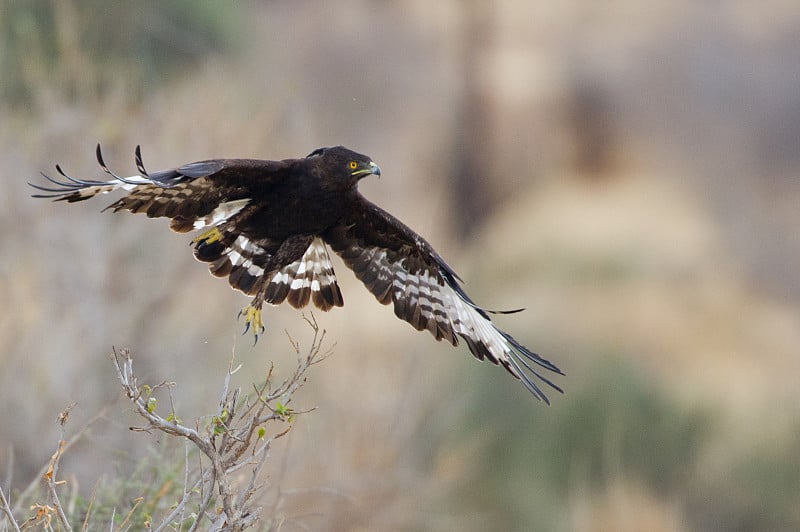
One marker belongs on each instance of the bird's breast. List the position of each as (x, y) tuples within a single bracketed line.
[(291, 212)]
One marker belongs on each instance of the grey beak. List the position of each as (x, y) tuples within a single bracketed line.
[(375, 169)]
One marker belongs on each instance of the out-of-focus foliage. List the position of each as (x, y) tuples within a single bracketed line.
[(618, 427), (613, 424), (88, 46), (756, 489)]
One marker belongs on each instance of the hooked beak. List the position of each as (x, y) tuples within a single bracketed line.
[(375, 168), (371, 169)]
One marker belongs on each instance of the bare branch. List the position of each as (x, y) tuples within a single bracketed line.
[(25, 496), (7, 510), (85, 525), (52, 470), (232, 439)]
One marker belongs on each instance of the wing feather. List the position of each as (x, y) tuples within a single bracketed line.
[(400, 267), (194, 195)]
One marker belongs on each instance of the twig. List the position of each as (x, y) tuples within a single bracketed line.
[(85, 525), (7, 510), (52, 470), (136, 504), (201, 512), (179, 508), (226, 439), (10, 472), (29, 489)]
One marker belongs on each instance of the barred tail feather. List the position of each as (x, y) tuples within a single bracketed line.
[(309, 279)]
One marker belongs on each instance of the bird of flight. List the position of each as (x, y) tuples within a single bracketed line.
[(267, 225)]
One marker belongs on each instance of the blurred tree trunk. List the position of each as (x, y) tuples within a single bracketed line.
[(471, 173)]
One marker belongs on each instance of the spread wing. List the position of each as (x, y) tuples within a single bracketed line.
[(195, 195), (400, 267), (220, 194)]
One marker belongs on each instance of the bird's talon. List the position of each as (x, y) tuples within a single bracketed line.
[(208, 237), (252, 317)]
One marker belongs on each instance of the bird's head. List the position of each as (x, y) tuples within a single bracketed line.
[(343, 166)]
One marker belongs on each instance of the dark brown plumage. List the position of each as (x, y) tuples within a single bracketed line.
[(266, 225)]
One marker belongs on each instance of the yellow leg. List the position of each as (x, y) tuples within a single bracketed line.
[(252, 317)]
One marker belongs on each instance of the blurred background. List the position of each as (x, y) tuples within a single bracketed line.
[(626, 171)]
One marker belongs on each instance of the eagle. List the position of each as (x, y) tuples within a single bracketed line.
[(267, 225)]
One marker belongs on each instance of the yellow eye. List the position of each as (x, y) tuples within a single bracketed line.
[(353, 165)]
